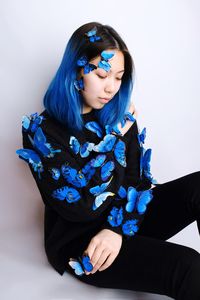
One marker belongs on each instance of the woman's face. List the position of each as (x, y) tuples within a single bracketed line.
[(101, 86)]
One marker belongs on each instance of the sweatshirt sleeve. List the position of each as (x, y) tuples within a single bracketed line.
[(128, 209), (78, 193)]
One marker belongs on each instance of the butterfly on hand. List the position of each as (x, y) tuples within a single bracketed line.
[(81, 265)]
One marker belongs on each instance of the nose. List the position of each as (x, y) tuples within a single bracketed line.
[(110, 86)]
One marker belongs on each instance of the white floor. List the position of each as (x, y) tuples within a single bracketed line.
[(26, 274)]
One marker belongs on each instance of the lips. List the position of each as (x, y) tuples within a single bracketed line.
[(107, 99)]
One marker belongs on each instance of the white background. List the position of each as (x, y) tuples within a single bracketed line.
[(163, 38)]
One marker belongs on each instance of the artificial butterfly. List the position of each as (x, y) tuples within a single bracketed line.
[(73, 176), (106, 170), (92, 35), (100, 195), (32, 158), (145, 167), (32, 122), (127, 116), (94, 127), (55, 173), (108, 144), (109, 129), (81, 265), (129, 227), (116, 216), (87, 67), (90, 167), (40, 144), (66, 193), (79, 84), (142, 136), (76, 147), (103, 63), (138, 200)]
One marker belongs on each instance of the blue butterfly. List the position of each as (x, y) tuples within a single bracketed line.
[(32, 122), (138, 200), (122, 192), (79, 84), (106, 170), (81, 264), (55, 173), (32, 158), (105, 56), (145, 165), (87, 67), (76, 147), (127, 116), (92, 35), (129, 227), (107, 145), (109, 129), (73, 176), (142, 136), (94, 127), (66, 193), (98, 192), (98, 161), (116, 216), (40, 144)]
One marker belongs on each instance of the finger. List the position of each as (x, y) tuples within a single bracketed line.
[(108, 262), (96, 256), (101, 260)]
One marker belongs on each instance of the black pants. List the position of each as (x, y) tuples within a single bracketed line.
[(147, 262)]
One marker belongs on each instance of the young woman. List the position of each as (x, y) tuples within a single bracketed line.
[(106, 218)]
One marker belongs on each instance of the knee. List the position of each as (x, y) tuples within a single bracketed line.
[(189, 287)]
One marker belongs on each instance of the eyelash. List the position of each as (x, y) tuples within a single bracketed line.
[(105, 77)]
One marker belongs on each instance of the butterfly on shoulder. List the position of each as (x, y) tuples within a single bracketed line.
[(31, 122), (81, 265), (39, 142)]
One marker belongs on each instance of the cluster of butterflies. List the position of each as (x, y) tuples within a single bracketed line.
[(109, 143), (81, 265), (81, 178)]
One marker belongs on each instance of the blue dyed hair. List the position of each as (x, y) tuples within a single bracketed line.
[(62, 100)]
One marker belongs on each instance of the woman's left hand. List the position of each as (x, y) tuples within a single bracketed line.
[(103, 249)]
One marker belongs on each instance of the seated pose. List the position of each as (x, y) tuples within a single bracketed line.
[(107, 218)]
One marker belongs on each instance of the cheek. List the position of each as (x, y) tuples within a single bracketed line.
[(91, 84)]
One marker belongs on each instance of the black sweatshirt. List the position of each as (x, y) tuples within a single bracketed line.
[(83, 186)]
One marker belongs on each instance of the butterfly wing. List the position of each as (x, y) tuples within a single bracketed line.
[(74, 144), (98, 161), (94, 127), (100, 199), (106, 170), (132, 195), (66, 193), (119, 153), (143, 199), (74, 264), (106, 145)]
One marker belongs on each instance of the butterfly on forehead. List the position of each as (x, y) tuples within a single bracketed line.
[(103, 63)]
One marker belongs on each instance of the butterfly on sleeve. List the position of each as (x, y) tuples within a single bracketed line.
[(138, 200), (109, 143), (81, 265), (39, 142), (32, 122), (31, 157), (76, 147), (100, 194)]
